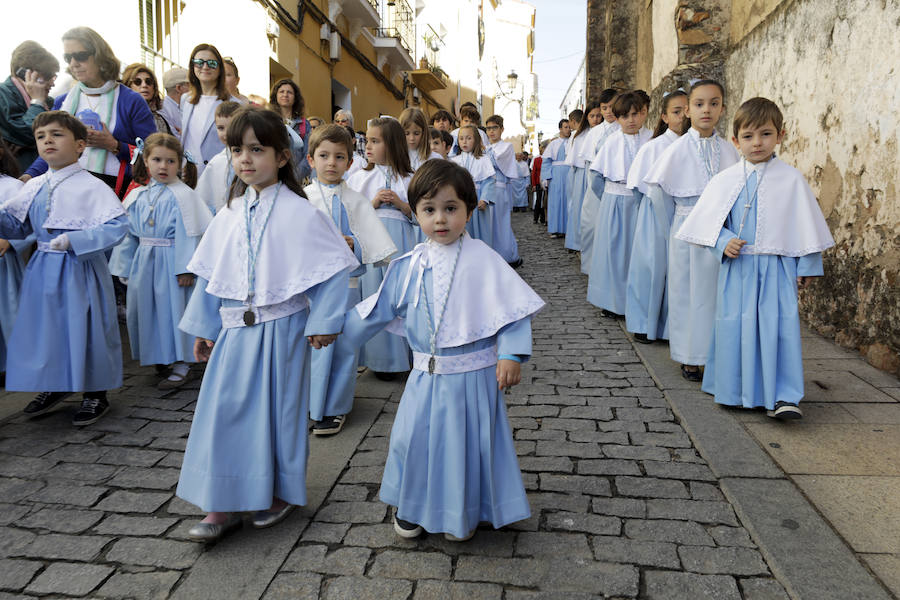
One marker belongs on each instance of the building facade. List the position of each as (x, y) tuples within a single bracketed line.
[(575, 95)]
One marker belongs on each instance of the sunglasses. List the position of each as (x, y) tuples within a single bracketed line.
[(211, 63), (141, 81), (81, 57)]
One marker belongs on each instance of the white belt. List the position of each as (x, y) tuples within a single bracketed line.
[(683, 210), (391, 213), (459, 363), (157, 242), (751, 249), (45, 247), (499, 184), (616, 188), (233, 316)]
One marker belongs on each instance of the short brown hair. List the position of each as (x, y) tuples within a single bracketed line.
[(335, 134), (395, 143), (624, 103), (227, 109), (437, 173), (64, 120), (106, 61), (470, 113), (415, 116), (496, 120), (141, 171), (756, 112), (31, 55), (132, 71)]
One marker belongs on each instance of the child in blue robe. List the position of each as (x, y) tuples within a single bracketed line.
[(215, 181), (646, 308), (273, 273), (577, 155), (555, 173), (472, 158), (503, 158), (66, 333), (166, 219), (330, 152), (384, 182), (593, 179), (451, 462), (761, 219), (520, 184)]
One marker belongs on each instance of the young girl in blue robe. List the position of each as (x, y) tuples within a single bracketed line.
[(556, 173), (384, 182), (682, 173), (761, 219), (593, 179), (473, 159), (646, 308), (451, 462), (166, 219), (577, 157), (273, 273), (503, 158)]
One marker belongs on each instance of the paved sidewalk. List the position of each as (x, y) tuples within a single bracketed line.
[(623, 504)]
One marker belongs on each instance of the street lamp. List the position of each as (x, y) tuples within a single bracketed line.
[(511, 80)]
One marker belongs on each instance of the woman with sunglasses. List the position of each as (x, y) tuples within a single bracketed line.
[(141, 79), (115, 115), (206, 75)]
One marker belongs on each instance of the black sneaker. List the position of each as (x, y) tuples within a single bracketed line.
[(517, 263), (405, 529), (785, 411), (641, 338), (383, 376), (44, 402), (694, 374), (329, 425), (90, 412), (608, 314)]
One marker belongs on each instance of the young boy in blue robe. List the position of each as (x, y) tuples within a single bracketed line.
[(66, 335), (555, 173), (761, 219), (451, 462)]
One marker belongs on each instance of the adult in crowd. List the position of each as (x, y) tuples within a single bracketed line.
[(23, 96), (232, 80), (198, 107), (114, 114), (315, 122), (286, 100), (140, 78), (175, 81), (344, 118)]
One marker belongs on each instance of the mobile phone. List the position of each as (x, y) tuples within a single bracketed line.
[(21, 72)]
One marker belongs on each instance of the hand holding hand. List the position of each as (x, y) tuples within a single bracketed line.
[(185, 280), (102, 139), (60, 242), (349, 241), (509, 373), (320, 341), (482, 205), (733, 247), (202, 349), (803, 281)]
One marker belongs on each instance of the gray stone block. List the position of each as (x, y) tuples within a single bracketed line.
[(82, 473), (157, 478), (294, 586), (705, 491), (647, 415), (762, 589), (66, 547), (608, 467), (140, 586), (352, 512), (523, 572), (14, 541), (362, 475), (395, 564), (169, 554), (15, 574), (380, 535), (577, 484), (731, 561), (679, 532), (594, 524), (131, 456), (677, 470), (10, 513), (551, 546), (649, 487), (636, 452), (13, 489), (603, 437), (667, 585), (329, 533), (668, 440), (714, 513), (69, 578), (133, 502), (731, 536), (356, 588), (620, 507), (455, 590), (638, 552), (61, 520), (74, 495), (134, 526), (561, 464), (571, 449)]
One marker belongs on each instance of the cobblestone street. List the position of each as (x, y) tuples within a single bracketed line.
[(623, 506)]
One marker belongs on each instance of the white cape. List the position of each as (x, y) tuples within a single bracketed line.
[(789, 221), (374, 240), (195, 214), (486, 294), (680, 172), (646, 158), (479, 168), (213, 184), (506, 158), (618, 153)]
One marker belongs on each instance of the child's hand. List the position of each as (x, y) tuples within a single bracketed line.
[(320, 341), (804, 281), (733, 247), (202, 349), (509, 373), (185, 280), (4, 246), (376, 201), (349, 241), (482, 205), (384, 197)]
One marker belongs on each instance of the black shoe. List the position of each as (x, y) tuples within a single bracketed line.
[(382, 376), (329, 425), (694, 375), (90, 412), (641, 338), (785, 411), (517, 263), (162, 370), (44, 401), (608, 314), (405, 529)]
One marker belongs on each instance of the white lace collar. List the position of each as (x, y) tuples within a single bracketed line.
[(645, 159), (479, 168), (195, 214), (616, 155), (680, 171)]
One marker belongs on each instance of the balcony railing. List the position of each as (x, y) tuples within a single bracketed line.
[(398, 21)]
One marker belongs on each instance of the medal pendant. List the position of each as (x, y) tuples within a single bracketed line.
[(151, 222), (431, 366), (249, 318)]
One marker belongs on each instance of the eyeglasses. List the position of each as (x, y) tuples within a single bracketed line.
[(211, 63), (81, 57), (141, 81), (491, 128)]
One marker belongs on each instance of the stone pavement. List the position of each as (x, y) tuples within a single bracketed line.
[(623, 504)]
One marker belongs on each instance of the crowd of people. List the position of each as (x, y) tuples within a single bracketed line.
[(285, 253)]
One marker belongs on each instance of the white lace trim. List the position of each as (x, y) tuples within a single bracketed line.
[(233, 316), (460, 363)]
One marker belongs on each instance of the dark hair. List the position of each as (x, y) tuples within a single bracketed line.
[(31, 55), (395, 141), (633, 100), (704, 82), (496, 120), (608, 95), (271, 132), (103, 55), (437, 173), (448, 139), (64, 120), (230, 62), (561, 121), (140, 170), (584, 125), (336, 134), (466, 104), (470, 113), (132, 71), (299, 103), (434, 133), (662, 126), (757, 112), (196, 88), (415, 116), (8, 164), (478, 150), (576, 115), (227, 109), (442, 115)]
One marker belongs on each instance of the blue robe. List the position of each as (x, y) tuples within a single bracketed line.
[(12, 270), (590, 207), (66, 334), (248, 439), (646, 305), (481, 225), (557, 194), (755, 358), (577, 188), (451, 462), (341, 402), (155, 302), (519, 186), (505, 243), (613, 238)]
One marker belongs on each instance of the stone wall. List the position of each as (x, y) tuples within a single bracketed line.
[(833, 68)]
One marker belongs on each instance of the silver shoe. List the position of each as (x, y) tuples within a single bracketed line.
[(452, 538), (267, 518), (211, 532)]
